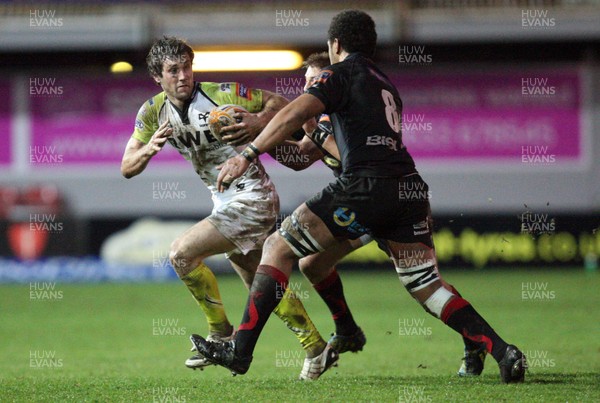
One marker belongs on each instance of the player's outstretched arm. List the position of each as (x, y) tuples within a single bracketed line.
[(279, 129), (287, 121), (137, 154), (297, 155), (252, 123)]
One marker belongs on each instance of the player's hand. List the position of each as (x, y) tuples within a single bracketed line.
[(232, 169), (159, 138), (244, 132)]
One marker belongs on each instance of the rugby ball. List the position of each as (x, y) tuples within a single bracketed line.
[(221, 116)]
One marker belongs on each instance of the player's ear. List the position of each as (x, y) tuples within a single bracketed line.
[(337, 47), (156, 79)]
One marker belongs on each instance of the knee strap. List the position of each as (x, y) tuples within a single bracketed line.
[(298, 239)]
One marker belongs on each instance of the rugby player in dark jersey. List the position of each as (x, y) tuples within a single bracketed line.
[(379, 192), (315, 145)]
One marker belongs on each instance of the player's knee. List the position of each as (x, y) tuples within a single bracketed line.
[(276, 245), (437, 301), (307, 266), (180, 258)]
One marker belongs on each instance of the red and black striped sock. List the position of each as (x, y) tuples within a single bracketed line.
[(266, 291), (462, 317), (332, 292), (469, 344)]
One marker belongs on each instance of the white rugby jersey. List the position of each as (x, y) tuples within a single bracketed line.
[(192, 138)]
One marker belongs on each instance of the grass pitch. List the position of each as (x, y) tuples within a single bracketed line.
[(128, 342)]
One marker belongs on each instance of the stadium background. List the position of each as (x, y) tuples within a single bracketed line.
[(500, 111)]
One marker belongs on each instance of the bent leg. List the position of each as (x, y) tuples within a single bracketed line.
[(417, 268), (187, 255), (290, 310), (305, 232)]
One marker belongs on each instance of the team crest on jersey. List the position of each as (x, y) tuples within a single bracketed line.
[(225, 87), (324, 76), (244, 91), (139, 124)]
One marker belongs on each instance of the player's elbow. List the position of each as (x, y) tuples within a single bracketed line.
[(298, 167), (127, 172)]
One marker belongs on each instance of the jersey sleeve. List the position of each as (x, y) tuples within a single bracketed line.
[(250, 99), (146, 121), (329, 88)]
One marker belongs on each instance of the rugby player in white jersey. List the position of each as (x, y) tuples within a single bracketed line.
[(244, 215)]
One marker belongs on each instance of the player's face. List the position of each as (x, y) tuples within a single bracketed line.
[(177, 79), (312, 73)]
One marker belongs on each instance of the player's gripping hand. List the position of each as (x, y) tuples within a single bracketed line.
[(243, 132), (159, 138), (232, 169)]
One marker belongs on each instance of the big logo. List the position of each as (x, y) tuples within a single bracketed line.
[(344, 217)]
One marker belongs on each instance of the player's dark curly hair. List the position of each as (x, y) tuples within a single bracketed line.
[(318, 60), (355, 30), (167, 47)]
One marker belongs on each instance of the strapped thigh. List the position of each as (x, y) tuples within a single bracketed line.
[(298, 238), (417, 277)]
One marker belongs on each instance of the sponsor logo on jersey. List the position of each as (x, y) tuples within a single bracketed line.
[(421, 228), (344, 217), (225, 87), (244, 91), (323, 77), (388, 142)]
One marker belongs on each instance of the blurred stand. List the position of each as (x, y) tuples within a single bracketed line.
[(35, 222)]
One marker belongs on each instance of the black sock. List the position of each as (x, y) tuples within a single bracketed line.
[(332, 292), (462, 317), (469, 344), (266, 291)]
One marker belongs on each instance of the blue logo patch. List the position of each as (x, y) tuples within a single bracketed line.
[(243, 91), (324, 76), (344, 217)]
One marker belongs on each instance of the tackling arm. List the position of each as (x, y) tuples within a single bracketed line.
[(279, 129), (252, 123), (287, 121)]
